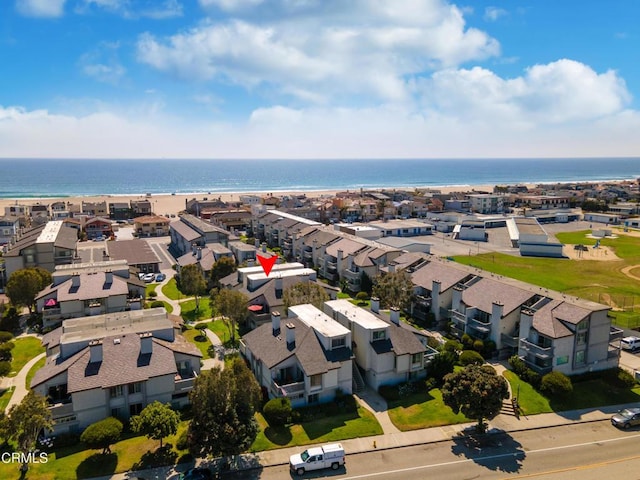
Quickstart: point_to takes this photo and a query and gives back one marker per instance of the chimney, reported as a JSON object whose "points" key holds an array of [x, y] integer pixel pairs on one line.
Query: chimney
{"points": [[436, 286], [257, 243], [108, 278], [394, 313], [75, 280], [497, 309], [291, 336], [275, 323], [392, 268], [95, 351], [278, 287], [193, 249], [264, 247], [146, 343], [199, 253], [375, 304]]}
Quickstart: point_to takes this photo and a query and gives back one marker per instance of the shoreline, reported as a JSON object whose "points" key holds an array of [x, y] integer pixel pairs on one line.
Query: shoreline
{"points": [[173, 203]]}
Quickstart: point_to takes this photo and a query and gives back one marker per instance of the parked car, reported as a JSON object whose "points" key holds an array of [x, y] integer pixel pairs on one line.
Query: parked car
{"points": [[331, 455], [629, 417], [99, 238], [630, 343], [149, 277], [160, 277], [198, 473], [141, 276]]}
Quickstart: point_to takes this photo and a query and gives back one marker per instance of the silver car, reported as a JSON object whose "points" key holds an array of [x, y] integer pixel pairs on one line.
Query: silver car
{"points": [[629, 417]]}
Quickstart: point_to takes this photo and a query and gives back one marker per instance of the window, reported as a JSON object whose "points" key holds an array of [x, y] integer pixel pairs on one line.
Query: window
{"points": [[338, 342], [379, 335], [579, 357], [584, 324], [416, 358], [581, 338], [562, 360], [135, 388], [115, 392], [315, 381], [135, 409], [117, 413], [313, 398]]}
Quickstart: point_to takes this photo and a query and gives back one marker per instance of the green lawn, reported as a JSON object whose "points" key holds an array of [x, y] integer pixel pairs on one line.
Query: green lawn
{"points": [[37, 366], [134, 452], [599, 281], [170, 289], [220, 329], [422, 410], [150, 287], [341, 426], [188, 310], [530, 400], [199, 340], [26, 348], [5, 397]]}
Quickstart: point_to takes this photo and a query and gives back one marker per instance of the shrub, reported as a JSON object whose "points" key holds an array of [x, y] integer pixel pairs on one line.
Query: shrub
{"points": [[478, 345], [442, 365], [102, 434], [620, 378], [156, 304], [5, 337], [489, 348], [452, 346], [277, 411], [467, 340], [556, 384], [152, 294], [431, 383], [531, 377], [5, 368], [182, 442], [471, 357], [201, 326], [5, 351], [362, 297], [517, 365]]}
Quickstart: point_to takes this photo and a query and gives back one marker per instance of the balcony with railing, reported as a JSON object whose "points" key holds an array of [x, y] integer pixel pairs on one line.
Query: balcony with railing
{"points": [[509, 340], [537, 365], [615, 333], [533, 349], [182, 384], [482, 329], [292, 390], [352, 275], [61, 409]]}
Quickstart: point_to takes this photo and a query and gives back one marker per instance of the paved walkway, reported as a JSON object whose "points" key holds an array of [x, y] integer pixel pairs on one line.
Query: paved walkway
{"points": [[19, 382], [209, 363]]}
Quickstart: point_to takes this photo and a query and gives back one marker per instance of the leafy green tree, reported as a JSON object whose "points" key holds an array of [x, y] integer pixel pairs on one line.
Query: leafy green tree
{"points": [[5, 368], [27, 419], [556, 384], [222, 268], [5, 351], [442, 365], [192, 282], [224, 404], [476, 391], [304, 292], [394, 290], [24, 284], [10, 320], [102, 434], [366, 285], [232, 305], [157, 420]]}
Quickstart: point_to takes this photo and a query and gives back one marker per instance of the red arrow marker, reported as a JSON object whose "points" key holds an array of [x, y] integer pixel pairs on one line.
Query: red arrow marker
{"points": [[267, 263]]}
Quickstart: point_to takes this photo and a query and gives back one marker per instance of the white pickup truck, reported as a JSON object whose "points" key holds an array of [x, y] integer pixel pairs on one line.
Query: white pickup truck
{"points": [[316, 458]]}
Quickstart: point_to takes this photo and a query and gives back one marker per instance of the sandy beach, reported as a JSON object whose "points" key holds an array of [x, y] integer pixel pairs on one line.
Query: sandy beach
{"points": [[173, 204]]}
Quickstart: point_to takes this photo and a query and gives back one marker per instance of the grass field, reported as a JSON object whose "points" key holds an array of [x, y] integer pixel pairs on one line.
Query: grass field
{"points": [[26, 348], [598, 281], [5, 397], [188, 310], [170, 289], [199, 340], [37, 366], [422, 410]]}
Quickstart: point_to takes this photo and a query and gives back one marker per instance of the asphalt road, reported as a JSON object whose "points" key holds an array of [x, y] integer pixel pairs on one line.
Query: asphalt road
{"points": [[587, 451]]}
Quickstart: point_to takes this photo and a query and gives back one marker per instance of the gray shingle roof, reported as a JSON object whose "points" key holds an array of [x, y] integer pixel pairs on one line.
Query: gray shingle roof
{"points": [[92, 285], [446, 274], [483, 293], [135, 252], [184, 230]]}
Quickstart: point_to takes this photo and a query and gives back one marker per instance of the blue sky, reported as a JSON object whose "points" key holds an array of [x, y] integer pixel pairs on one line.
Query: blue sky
{"points": [[319, 78]]}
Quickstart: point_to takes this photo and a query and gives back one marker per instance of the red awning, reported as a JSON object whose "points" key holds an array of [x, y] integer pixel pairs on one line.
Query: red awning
{"points": [[50, 303], [255, 308]]}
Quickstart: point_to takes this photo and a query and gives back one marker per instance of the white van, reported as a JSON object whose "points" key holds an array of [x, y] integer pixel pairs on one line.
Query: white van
{"points": [[630, 343], [317, 457]]}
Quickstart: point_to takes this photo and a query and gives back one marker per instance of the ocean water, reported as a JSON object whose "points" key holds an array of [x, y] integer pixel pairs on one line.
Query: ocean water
{"points": [[20, 178]]}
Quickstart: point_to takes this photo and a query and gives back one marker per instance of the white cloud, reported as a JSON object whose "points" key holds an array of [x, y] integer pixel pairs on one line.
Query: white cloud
{"points": [[134, 8], [40, 8], [102, 63], [338, 48], [492, 14]]}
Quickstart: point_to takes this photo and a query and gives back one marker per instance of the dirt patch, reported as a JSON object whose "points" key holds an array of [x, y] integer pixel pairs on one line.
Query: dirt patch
{"points": [[600, 254], [628, 271]]}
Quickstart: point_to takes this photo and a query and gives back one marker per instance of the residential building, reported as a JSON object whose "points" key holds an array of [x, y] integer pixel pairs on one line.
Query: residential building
{"points": [[205, 257], [95, 209], [151, 226], [137, 253], [39, 213], [403, 228], [387, 351], [9, 227], [98, 227], [141, 208], [120, 211], [43, 246], [114, 365], [190, 230], [243, 252], [486, 203], [307, 358], [89, 289]]}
